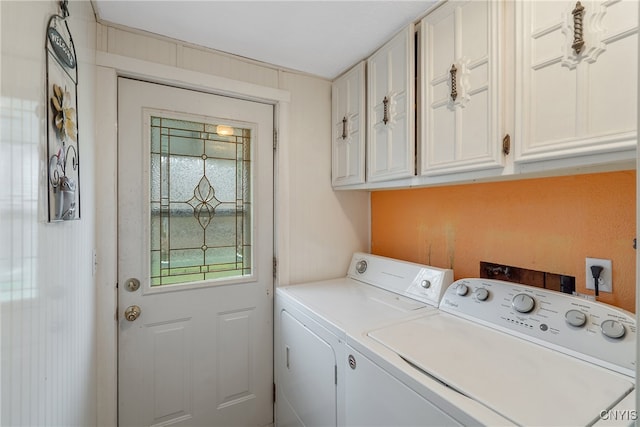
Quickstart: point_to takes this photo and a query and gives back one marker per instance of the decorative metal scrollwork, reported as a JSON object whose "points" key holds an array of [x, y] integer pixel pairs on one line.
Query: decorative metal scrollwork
{"points": [[58, 165], [454, 92], [385, 103], [62, 119], [64, 188], [578, 41], [344, 127]]}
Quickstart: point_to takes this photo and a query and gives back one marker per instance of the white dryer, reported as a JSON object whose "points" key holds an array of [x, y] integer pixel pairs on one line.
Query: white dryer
{"points": [[313, 323], [499, 353]]}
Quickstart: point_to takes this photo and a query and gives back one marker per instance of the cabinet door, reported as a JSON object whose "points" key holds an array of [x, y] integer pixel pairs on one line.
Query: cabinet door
{"points": [[567, 103], [391, 95], [348, 146], [461, 87]]}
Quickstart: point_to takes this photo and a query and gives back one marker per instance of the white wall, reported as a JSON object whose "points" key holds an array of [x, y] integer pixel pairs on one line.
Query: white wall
{"points": [[47, 292], [326, 226]]}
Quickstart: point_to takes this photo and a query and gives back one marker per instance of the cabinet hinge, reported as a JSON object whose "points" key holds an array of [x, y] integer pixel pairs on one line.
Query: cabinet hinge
{"points": [[506, 144], [275, 139], [275, 267]]}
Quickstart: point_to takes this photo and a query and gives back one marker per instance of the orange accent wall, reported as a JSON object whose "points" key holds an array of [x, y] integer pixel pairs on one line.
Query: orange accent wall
{"points": [[546, 224]]}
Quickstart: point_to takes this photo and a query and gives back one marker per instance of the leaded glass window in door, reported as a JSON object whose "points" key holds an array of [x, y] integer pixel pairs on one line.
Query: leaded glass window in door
{"points": [[200, 201]]}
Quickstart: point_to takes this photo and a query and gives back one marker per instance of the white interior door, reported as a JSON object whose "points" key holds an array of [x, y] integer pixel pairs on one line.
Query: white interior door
{"points": [[195, 229]]}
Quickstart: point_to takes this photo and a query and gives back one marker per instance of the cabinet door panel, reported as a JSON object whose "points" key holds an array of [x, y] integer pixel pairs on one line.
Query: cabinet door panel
{"points": [[546, 14], [348, 138], [391, 148], [474, 34], [443, 47], [443, 147], [572, 104], [612, 83], [553, 116], [461, 94], [478, 110]]}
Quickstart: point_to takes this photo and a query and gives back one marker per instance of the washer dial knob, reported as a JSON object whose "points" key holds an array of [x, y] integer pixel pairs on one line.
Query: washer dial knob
{"points": [[482, 294], [425, 284], [612, 329], [575, 318], [361, 266], [523, 303], [462, 289]]}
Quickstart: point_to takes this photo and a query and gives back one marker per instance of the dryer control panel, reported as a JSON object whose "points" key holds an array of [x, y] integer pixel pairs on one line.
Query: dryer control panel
{"points": [[593, 331], [417, 281]]}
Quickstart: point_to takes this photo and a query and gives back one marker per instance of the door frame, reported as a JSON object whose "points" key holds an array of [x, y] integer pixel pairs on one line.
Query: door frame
{"points": [[108, 68]]}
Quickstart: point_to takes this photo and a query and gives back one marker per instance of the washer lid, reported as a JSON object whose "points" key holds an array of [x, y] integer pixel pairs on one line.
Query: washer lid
{"points": [[524, 382], [347, 305]]}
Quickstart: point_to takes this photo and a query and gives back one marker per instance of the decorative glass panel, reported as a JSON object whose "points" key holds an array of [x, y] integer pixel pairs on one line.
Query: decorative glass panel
{"points": [[200, 201]]}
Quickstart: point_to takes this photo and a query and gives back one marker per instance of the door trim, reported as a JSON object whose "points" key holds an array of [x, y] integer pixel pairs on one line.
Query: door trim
{"points": [[108, 68]]}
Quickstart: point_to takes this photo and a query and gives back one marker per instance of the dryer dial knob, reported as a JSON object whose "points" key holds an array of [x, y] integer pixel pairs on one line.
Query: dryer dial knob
{"points": [[462, 289], [612, 329], [523, 303], [575, 318], [482, 294], [425, 284]]}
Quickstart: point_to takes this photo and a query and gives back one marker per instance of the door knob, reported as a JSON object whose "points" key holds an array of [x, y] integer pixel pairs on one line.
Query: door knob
{"points": [[132, 313]]}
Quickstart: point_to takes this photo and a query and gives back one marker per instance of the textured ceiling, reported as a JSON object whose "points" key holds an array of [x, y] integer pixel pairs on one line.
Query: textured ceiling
{"points": [[323, 38]]}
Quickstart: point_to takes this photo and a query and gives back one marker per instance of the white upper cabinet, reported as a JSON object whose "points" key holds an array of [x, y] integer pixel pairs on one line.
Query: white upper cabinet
{"points": [[462, 88], [348, 111], [576, 79], [390, 109]]}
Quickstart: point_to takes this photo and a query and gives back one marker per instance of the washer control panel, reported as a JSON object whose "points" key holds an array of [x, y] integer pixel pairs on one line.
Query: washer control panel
{"points": [[593, 331], [417, 281]]}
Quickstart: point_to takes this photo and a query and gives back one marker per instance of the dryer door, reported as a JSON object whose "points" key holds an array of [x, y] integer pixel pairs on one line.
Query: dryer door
{"points": [[307, 383]]}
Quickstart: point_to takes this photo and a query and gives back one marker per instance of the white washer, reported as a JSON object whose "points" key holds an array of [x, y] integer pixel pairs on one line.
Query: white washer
{"points": [[504, 353], [313, 323]]}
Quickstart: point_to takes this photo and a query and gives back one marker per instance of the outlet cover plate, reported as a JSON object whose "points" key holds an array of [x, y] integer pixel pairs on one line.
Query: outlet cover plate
{"points": [[605, 282]]}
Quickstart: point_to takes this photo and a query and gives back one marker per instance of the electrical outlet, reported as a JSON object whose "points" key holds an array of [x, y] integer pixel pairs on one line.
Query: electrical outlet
{"points": [[605, 282]]}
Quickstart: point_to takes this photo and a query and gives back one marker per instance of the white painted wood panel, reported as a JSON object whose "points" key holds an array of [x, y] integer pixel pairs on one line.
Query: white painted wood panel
{"points": [[572, 104], [349, 128], [235, 370], [390, 109], [47, 293], [461, 54]]}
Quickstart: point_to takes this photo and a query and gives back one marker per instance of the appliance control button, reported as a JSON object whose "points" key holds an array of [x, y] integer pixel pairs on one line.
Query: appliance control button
{"points": [[612, 329], [361, 266], [523, 303], [462, 289], [575, 318], [425, 284], [482, 294]]}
